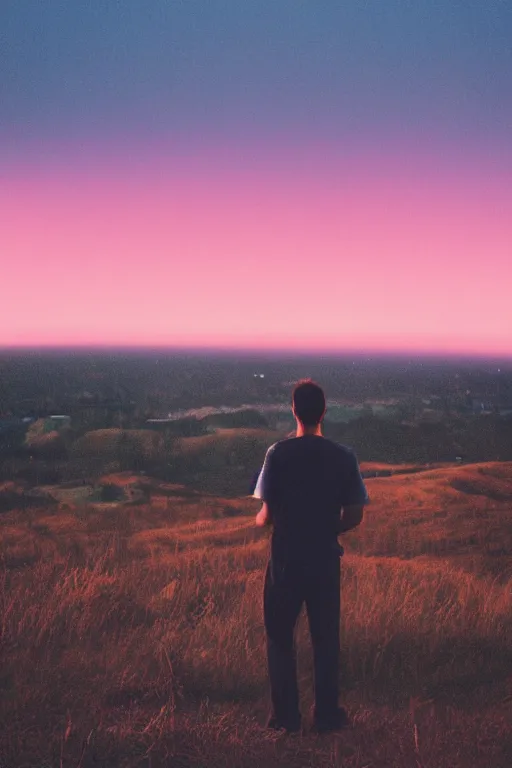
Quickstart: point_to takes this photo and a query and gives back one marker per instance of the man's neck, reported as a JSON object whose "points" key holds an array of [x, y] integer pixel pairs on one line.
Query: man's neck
{"points": [[302, 430]]}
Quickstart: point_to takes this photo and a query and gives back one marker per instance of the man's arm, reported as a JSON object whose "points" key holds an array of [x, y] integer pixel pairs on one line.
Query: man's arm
{"points": [[351, 517], [263, 517], [355, 497], [264, 489]]}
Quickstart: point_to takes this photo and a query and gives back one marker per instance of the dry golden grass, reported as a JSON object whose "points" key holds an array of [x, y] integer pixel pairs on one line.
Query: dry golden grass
{"points": [[132, 635]]}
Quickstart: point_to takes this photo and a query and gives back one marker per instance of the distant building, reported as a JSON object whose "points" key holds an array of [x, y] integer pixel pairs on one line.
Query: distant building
{"points": [[479, 405], [54, 423]]}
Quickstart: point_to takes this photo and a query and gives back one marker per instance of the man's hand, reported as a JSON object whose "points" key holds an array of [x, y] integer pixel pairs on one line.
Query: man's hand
{"points": [[351, 517], [263, 516]]}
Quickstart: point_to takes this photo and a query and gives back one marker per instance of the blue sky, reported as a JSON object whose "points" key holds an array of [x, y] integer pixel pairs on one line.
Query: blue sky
{"points": [[394, 67]]}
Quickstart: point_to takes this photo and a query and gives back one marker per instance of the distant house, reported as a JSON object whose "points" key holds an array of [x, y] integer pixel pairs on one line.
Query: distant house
{"points": [[479, 405], [54, 423]]}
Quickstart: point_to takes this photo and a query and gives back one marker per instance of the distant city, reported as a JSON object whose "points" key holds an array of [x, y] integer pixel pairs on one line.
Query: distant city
{"points": [[142, 389]]}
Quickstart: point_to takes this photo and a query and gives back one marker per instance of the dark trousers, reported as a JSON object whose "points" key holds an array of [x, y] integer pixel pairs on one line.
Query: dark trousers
{"points": [[287, 586]]}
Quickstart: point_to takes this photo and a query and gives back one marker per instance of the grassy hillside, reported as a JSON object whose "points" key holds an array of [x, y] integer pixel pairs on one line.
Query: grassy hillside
{"points": [[132, 632]]}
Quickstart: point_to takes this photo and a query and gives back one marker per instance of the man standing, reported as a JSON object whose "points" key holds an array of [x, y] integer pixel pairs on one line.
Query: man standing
{"points": [[312, 490]]}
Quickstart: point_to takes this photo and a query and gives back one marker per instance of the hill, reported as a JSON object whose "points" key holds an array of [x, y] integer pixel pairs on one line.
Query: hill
{"points": [[132, 630]]}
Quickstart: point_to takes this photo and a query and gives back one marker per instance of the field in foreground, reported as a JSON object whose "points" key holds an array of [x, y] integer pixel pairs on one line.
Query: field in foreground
{"points": [[131, 633]]}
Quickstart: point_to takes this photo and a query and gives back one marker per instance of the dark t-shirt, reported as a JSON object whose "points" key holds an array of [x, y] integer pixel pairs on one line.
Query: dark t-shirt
{"points": [[306, 481]]}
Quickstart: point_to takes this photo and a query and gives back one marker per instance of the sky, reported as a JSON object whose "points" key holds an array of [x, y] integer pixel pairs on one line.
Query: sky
{"points": [[258, 174]]}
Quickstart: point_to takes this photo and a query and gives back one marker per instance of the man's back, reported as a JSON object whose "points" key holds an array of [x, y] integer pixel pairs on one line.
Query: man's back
{"points": [[306, 481]]}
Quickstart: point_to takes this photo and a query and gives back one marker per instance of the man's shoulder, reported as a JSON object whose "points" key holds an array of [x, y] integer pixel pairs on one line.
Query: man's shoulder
{"points": [[279, 448], [340, 453], [274, 447], [345, 451]]}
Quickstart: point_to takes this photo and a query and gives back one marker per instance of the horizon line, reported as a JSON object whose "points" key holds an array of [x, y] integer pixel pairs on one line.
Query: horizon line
{"points": [[263, 350]]}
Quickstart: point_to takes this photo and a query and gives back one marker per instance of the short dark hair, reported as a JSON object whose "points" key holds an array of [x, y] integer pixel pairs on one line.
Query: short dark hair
{"points": [[308, 402]]}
